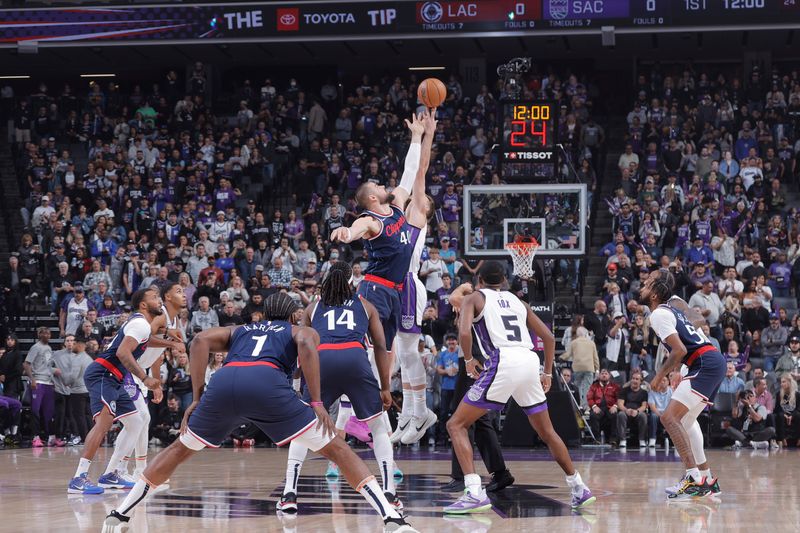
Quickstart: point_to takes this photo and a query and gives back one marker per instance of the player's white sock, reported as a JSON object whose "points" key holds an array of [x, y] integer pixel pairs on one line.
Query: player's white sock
{"points": [[297, 454], [142, 443], [706, 473], [384, 453], [408, 403], [83, 467], [694, 473], [138, 493], [371, 492], [420, 407], [473, 483], [126, 441], [575, 482]]}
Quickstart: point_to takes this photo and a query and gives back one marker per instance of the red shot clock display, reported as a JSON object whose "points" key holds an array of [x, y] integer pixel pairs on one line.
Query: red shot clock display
{"points": [[528, 147], [529, 131]]}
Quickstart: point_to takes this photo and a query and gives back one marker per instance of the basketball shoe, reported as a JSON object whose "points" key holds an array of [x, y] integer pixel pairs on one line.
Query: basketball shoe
{"points": [[287, 503], [82, 485], [469, 503]]}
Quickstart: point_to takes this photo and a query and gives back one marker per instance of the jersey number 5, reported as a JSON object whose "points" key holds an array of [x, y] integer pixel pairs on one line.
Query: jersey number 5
{"points": [[346, 319], [514, 333], [697, 332]]}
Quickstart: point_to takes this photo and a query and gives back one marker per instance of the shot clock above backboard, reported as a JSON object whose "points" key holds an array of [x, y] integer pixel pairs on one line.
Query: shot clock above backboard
{"points": [[529, 132]]}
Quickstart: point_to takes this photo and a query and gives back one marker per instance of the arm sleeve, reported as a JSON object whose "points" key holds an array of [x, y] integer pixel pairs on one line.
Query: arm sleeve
{"points": [[411, 167], [139, 329], [663, 323]]}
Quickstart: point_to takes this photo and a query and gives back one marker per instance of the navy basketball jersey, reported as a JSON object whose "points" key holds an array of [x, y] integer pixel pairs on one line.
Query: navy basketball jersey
{"points": [[625, 224], [390, 251], [666, 320], [340, 323], [137, 327], [268, 341]]}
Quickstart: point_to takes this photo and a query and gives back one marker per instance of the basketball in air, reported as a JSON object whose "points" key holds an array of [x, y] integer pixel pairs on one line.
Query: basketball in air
{"points": [[431, 92]]}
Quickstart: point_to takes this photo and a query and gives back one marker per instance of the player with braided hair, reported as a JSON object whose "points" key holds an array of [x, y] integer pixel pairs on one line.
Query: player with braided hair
{"points": [[253, 385], [343, 320], [687, 345]]}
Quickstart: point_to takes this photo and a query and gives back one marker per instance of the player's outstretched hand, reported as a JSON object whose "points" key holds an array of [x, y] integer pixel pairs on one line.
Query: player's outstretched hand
{"points": [[341, 234], [386, 399], [415, 126], [324, 421], [152, 383], [546, 382], [474, 368], [186, 415], [428, 122]]}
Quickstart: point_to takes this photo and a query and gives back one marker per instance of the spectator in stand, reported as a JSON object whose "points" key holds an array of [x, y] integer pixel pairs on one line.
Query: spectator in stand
{"points": [[582, 351], [632, 407], [215, 363], [750, 423], [204, 317], [731, 383], [657, 402], [787, 412], [602, 399], [773, 341], [39, 369], [447, 369], [789, 363], [763, 396], [167, 427], [180, 380]]}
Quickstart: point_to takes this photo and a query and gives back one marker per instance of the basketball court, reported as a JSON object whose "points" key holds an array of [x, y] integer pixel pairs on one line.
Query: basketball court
{"points": [[236, 490]]}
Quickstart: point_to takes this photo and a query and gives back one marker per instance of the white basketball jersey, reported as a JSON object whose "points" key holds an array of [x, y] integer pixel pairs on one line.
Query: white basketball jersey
{"points": [[151, 354], [502, 323], [419, 245]]}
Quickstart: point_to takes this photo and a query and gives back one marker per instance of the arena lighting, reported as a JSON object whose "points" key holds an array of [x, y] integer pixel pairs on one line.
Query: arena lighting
{"points": [[427, 68], [98, 75], [15, 77]]}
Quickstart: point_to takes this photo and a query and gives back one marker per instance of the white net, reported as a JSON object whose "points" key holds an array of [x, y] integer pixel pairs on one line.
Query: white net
{"points": [[522, 254]]}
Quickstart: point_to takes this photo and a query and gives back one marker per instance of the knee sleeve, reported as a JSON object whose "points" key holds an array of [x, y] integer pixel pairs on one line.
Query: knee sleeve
{"points": [[378, 426], [689, 423], [413, 371], [133, 423]]}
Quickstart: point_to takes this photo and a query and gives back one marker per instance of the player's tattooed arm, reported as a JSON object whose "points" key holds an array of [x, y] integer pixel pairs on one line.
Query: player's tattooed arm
{"points": [[125, 355], [673, 361], [364, 227]]}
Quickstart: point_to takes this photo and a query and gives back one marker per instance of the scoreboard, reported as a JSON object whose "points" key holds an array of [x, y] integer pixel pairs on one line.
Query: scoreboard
{"points": [[377, 19]]}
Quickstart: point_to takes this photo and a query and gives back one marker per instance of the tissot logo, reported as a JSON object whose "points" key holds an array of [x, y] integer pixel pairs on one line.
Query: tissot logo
{"points": [[288, 19], [329, 18]]}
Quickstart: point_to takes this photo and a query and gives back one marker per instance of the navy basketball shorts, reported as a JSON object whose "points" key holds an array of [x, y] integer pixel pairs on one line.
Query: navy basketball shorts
{"points": [[387, 302], [701, 383], [105, 390], [256, 392], [344, 369]]}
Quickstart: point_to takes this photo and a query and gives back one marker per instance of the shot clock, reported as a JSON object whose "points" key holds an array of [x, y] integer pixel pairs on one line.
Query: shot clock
{"points": [[528, 148]]}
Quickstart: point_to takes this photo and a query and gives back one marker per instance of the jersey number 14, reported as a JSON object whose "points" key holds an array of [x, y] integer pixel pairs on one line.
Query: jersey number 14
{"points": [[346, 319]]}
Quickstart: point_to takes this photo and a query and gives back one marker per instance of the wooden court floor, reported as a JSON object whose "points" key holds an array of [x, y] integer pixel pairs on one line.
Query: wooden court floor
{"points": [[236, 490]]}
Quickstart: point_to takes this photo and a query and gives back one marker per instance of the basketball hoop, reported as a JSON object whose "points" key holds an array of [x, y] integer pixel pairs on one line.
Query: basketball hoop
{"points": [[522, 251]]}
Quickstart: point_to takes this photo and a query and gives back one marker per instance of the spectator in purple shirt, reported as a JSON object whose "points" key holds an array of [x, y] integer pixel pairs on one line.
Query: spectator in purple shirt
{"points": [[225, 195], [780, 276], [444, 309], [450, 206]]}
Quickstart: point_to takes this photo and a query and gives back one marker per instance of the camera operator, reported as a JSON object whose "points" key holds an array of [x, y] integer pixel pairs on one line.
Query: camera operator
{"points": [[750, 423]]}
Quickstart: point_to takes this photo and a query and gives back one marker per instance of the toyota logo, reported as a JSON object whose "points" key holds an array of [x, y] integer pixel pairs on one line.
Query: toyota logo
{"points": [[431, 12], [287, 19]]}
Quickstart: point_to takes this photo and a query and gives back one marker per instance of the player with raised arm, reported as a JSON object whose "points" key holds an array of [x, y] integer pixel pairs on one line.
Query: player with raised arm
{"points": [[415, 418], [502, 325], [253, 386], [687, 345], [164, 326], [107, 395], [342, 321]]}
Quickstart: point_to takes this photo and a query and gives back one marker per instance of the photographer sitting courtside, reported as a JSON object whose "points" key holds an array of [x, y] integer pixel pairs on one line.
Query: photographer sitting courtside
{"points": [[750, 423]]}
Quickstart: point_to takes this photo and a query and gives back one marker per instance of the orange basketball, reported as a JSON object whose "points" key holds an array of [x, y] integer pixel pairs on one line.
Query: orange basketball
{"points": [[431, 92]]}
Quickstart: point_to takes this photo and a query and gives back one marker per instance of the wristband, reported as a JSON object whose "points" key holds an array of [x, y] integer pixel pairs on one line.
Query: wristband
{"points": [[317, 404], [468, 360], [547, 375]]}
